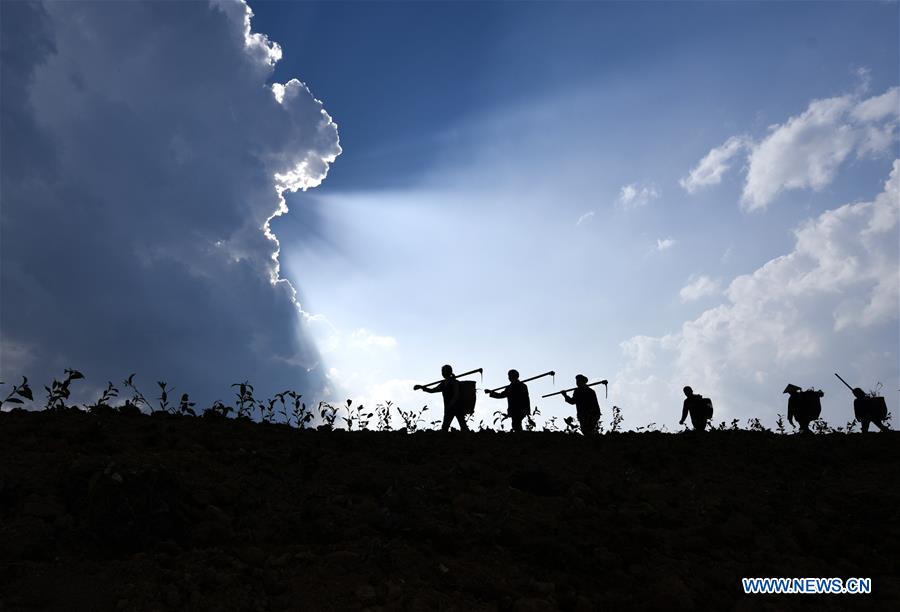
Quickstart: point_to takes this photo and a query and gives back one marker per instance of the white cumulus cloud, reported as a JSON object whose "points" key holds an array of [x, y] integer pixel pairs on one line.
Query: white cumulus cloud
{"points": [[710, 169], [698, 287], [831, 303], [807, 150], [636, 195]]}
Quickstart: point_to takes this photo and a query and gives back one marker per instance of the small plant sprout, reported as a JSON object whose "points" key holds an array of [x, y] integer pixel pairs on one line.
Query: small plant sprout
{"points": [[571, 425], [108, 394], [245, 401], [499, 417], [851, 425], [186, 406], [58, 392], [754, 424], [137, 398], [411, 419], [820, 426], [164, 397], [779, 424], [383, 414], [301, 415], [328, 414], [617, 420], [18, 392], [357, 415], [550, 425], [218, 409]]}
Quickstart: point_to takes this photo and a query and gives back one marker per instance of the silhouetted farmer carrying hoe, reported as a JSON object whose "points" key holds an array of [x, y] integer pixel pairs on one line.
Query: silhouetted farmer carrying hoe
{"points": [[699, 407], [518, 404], [805, 406], [587, 408], [867, 408], [449, 387]]}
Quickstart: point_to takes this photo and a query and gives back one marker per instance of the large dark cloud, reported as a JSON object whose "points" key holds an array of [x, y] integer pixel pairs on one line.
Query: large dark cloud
{"points": [[142, 154]]}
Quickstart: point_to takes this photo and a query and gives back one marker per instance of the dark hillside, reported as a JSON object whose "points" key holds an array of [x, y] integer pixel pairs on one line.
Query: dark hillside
{"points": [[155, 513]]}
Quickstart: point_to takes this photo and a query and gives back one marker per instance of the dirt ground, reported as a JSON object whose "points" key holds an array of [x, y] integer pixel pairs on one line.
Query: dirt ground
{"points": [[115, 512]]}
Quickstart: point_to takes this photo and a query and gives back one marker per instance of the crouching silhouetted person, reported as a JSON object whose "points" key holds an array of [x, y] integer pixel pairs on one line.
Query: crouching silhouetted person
{"points": [[699, 407], [587, 408], [869, 409], [449, 388], [518, 404], [804, 406]]}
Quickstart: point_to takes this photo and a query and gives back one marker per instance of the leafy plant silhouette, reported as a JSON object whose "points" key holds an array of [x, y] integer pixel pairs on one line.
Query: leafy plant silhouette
{"points": [[18, 392], [356, 415], [245, 400], [383, 416], [137, 398], [186, 406], [779, 424], [411, 418], [617, 420], [58, 392], [328, 414], [164, 397]]}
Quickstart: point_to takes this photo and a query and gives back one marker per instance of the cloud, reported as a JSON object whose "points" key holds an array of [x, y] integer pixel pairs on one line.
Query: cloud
{"points": [[635, 195], [151, 153], [585, 217], [806, 151], [363, 338], [830, 303], [710, 169], [664, 244], [698, 287]]}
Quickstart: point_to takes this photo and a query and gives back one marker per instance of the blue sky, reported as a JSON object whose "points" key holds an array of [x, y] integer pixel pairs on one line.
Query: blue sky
{"points": [[475, 136], [653, 193]]}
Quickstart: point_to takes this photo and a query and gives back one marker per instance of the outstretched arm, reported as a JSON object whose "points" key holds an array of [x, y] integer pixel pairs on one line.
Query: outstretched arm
{"points": [[497, 394], [569, 400], [434, 389]]}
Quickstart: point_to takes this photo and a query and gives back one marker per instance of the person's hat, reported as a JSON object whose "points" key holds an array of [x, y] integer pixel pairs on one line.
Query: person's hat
{"points": [[791, 389]]}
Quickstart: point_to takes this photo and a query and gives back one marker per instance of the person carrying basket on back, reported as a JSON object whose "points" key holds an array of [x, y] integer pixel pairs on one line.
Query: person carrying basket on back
{"points": [[449, 388]]}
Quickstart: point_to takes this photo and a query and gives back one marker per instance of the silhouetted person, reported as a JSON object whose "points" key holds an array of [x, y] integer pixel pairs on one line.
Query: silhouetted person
{"points": [[587, 408], [699, 407], [868, 409], [518, 404], [449, 387], [803, 406]]}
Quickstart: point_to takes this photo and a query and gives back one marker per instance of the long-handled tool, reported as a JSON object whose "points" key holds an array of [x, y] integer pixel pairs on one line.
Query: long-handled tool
{"points": [[844, 381], [605, 384], [479, 370], [550, 373]]}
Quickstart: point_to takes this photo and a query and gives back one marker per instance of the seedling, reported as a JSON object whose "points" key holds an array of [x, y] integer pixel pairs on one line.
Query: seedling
{"points": [[411, 419], [58, 392], [138, 398], [383, 413], [245, 400], [357, 416], [164, 397], [186, 406], [571, 425], [617, 420], [779, 424], [18, 392], [328, 414], [755, 425]]}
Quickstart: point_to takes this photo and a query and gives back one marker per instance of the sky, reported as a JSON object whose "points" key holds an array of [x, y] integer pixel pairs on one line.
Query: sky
{"points": [[659, 194]]}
